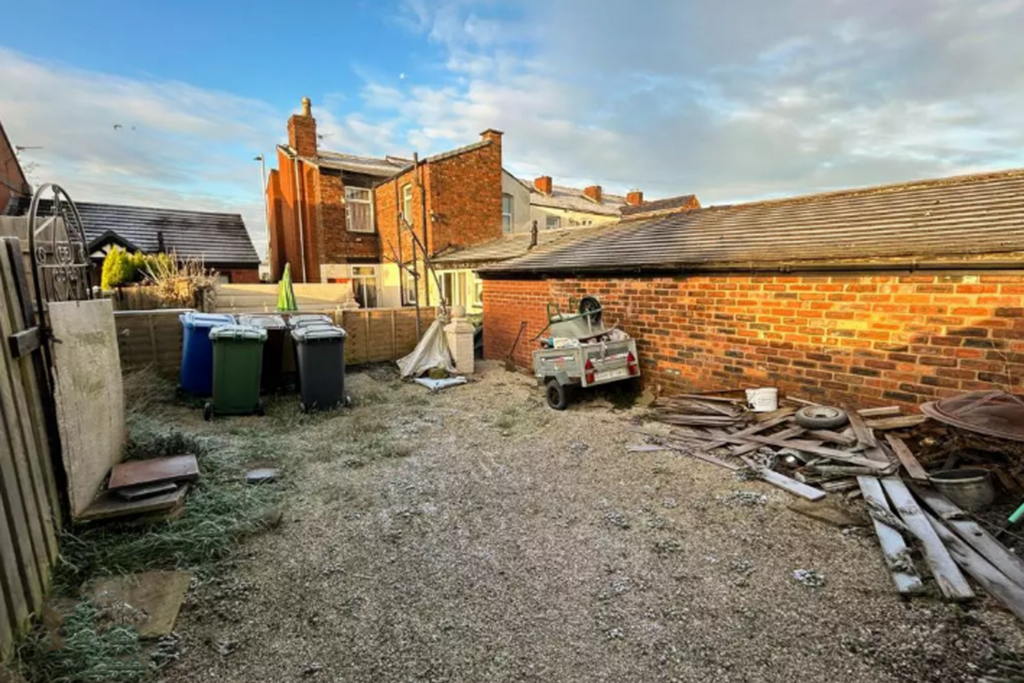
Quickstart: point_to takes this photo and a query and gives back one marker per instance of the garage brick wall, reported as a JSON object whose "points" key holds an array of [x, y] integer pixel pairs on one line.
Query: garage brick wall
{"points": [[869, 339]]}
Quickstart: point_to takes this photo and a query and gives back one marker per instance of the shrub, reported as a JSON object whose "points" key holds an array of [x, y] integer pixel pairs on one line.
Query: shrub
{"points": [[119, 268]]}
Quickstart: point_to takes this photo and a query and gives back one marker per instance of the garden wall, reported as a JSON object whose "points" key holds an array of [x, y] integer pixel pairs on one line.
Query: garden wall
{"points": [[869, 339]]}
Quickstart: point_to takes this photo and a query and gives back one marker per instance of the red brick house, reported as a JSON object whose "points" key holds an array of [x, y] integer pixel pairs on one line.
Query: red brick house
{"points": [[894, 294], [343, 218], [13, 183]]}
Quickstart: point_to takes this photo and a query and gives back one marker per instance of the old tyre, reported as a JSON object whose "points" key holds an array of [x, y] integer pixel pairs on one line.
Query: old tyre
{"points": [[821, 417], [558, 395]]}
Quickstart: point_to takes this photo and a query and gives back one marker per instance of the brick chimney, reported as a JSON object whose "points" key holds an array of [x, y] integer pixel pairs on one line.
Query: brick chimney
{"points": [[302, 131], [543, 184], [492, 135], [634, 197], [593, 192]]}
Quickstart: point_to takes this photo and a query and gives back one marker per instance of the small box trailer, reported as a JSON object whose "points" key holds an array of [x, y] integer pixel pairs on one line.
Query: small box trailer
{"points": [[562, 370]]}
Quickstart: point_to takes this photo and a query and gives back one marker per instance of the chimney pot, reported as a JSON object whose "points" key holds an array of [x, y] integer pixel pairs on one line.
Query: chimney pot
{"points": [[634, 197], [307, 107], [593, 192], [543, 184]]}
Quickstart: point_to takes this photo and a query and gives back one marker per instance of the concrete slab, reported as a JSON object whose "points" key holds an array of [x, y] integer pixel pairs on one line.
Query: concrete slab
{"points": [[152, 598], [89, 395]]}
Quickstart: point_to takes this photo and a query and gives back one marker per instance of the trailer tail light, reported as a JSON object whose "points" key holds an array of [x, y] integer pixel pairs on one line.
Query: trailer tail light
{"points": [[588, 369], [634, 367]]}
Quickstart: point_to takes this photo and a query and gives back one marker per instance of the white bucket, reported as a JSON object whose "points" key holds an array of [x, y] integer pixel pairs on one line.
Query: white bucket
{"points": [[763, 400]]}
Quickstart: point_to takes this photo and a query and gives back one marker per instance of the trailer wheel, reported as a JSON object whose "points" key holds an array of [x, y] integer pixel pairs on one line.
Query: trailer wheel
{"points": [[558, 395]]}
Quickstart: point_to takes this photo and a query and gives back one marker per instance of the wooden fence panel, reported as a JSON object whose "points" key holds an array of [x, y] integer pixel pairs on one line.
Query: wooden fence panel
{"points": [[153, 338], [29, 507]]}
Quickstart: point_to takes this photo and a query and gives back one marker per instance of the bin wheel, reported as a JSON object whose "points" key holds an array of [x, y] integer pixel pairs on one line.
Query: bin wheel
{"points": [[347, 401], [261, 409], [558, 395], [303, 408], [208, 411]]}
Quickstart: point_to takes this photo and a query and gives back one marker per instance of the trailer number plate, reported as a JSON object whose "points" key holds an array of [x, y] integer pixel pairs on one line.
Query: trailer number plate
{"points": [[611, 374]]}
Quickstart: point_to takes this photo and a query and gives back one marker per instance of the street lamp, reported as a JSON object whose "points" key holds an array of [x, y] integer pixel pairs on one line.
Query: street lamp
{"points": [[266, 208]]}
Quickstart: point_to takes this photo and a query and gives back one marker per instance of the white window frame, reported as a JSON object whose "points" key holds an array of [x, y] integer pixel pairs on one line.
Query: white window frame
{"points": [[366, 280], [407, 204], [352, 200], [408, 285], [507, 217], [548, 220]]}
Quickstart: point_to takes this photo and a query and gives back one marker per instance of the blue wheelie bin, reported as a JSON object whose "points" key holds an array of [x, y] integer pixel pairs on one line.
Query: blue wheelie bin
{"points": [[197, 351]]}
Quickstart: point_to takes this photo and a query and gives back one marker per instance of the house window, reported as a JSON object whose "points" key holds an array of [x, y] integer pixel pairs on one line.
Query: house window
{"points": [[407, 204], [408, 288], [552, 222], [364, 285], [506, 212], [359, 209], [453, 287], [478, 292]]}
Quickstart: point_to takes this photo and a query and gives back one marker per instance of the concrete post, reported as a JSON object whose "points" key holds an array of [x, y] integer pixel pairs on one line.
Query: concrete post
{"points": [[459, 335]]}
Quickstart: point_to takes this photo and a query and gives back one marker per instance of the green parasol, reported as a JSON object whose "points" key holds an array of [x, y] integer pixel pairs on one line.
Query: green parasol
{"points": [[285, 292]]}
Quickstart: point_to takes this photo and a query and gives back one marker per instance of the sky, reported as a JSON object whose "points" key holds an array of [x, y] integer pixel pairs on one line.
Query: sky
{"points": [[167, 104]]}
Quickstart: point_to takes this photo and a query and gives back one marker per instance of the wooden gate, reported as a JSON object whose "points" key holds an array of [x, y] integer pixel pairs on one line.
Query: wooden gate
{"points": [[30, 509]]}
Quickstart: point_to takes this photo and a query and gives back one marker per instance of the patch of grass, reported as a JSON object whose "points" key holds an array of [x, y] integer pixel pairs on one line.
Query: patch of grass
{"points": [[220, 509], [87, 652]]}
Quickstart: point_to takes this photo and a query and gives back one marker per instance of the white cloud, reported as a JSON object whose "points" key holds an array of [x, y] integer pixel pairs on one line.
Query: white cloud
{"points": [[175, 145], [731, 100]]}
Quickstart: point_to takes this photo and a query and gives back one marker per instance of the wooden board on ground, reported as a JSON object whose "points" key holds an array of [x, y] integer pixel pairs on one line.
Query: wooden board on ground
{"points": [[951, 581], [109, 505], [825, 511], [814, 448], [754, 429], [970, 531], [783, 482], [832, 437], [991, 579], [906, 458], [894, 547], [167, 469]]}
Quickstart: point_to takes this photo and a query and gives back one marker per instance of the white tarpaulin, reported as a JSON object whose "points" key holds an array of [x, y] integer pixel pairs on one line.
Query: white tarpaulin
{"points": [[431, 352]]}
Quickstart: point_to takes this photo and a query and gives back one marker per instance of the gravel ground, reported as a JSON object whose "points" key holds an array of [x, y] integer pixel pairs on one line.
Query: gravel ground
{"points": [[476, 535]]}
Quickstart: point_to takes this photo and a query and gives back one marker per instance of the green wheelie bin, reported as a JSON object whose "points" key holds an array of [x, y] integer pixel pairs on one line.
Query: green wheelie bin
{"points": [[237, 365]]}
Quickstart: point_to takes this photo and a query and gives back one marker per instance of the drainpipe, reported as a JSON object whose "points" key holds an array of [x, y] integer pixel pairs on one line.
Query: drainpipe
{"points": [[298, 210], [423, 217]]}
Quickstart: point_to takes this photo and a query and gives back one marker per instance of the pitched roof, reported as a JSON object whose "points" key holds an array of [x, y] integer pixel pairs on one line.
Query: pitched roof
{"points": [[382, 167], [512, 246], [960, 219], [572, 199], [662, 205], [216, 238]]}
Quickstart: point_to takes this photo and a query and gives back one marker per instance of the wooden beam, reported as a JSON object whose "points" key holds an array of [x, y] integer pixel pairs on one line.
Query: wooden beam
{"points": [[25, 342], [784, 434], [901, 422], [906, 458], [804, 446], [951, 581], [880, 412], [894, 548], [973, 534], [991, 579], [865, 437]]}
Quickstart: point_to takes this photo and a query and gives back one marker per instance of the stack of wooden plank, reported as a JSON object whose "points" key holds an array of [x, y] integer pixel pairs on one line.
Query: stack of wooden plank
{"points": [[916, 525], [138, 488], [713, 428]]}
